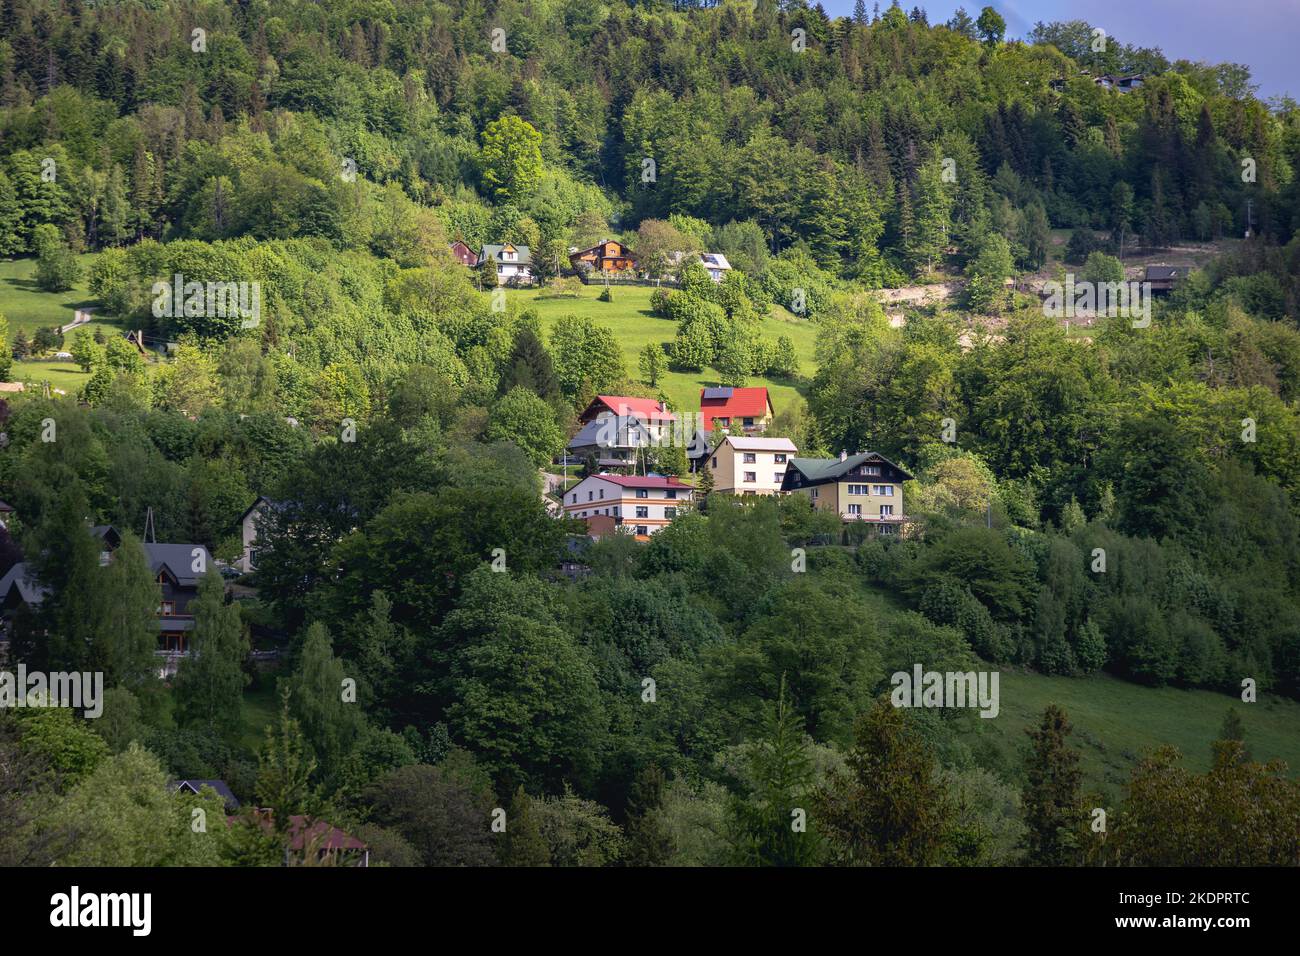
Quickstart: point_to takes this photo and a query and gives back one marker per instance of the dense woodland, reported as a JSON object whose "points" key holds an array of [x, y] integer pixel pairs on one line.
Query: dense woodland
{"points": [[331, 151]]}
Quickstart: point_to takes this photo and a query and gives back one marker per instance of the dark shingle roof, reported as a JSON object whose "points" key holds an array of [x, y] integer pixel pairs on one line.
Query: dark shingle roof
{"points": [[179, 560], [826, 469]]}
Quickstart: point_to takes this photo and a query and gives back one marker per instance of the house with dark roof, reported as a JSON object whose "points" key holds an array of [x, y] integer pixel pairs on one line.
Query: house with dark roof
{"points": [[1163, 279], [736, 409], [865, 487], [644, 503], [195, 786], [514, 264]]}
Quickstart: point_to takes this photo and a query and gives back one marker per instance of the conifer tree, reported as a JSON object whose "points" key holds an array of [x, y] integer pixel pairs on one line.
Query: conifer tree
{"points": [[210, 683], [1052, 804], [522, 844]]}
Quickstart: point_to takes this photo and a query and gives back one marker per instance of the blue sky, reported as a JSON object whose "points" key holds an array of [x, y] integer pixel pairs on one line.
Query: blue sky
{"points": [[1263, 34]]}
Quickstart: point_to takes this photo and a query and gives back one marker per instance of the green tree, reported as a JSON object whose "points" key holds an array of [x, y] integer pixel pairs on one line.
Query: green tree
{"points": [[1054, 810], [651, 363], [523, 418], [211, 680], [284, 768], [992, 28], [511, 159], [888, 807], [522, 844], [326, 707]]}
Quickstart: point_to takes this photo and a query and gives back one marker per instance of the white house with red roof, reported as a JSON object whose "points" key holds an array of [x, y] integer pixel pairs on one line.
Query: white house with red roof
{"points": [[736, 409], [644, 503]]}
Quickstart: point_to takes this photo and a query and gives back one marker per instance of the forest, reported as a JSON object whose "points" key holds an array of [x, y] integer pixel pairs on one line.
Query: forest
{"points": [[1117, 505]]}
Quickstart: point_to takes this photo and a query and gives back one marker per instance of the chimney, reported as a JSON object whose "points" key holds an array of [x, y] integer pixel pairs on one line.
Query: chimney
{"points": [[843, 454]]}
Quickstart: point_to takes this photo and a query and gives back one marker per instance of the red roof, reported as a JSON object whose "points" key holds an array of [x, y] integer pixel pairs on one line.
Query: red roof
{"points": [[643, 481], [742, 403], [645, 408]]}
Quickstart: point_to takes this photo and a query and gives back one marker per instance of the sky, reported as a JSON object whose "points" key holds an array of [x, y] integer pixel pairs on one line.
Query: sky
{"points": [[1262, 34]]}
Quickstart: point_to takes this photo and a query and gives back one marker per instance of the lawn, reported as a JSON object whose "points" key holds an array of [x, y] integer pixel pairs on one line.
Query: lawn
{"points": [[28, 307], [634, 326], [1116, 722], [261, 707]]}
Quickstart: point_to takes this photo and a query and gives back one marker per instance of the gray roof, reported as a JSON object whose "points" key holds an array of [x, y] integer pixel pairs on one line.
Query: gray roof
{"points": [[818, 470], [611, 431], [179, 560], [194, 786], [493, 251], [30, 590], [1167, 272]]}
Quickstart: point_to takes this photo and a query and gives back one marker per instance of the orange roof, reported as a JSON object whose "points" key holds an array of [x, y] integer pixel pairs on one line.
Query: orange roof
{"points": [[645, 408]]}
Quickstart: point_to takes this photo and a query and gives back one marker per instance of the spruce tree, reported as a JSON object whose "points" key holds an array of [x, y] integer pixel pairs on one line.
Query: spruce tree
{"points": [[522, 844], [1053, 808], [648, 841]]}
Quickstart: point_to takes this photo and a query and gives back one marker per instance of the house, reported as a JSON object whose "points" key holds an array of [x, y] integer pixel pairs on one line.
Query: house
{"points": [[750, 465], [1123, 84], [1162, 279], [176, 567], [609, 255], [645, 503], [862, 487], [249, 523], [6, 509], [464, 254], [715, 264], [747, 409], [615, 427], [514, 264], [313, 842], [194, 786]]}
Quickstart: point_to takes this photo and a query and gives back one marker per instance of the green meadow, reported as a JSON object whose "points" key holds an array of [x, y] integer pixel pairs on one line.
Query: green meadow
{"points": [[634, 326]]}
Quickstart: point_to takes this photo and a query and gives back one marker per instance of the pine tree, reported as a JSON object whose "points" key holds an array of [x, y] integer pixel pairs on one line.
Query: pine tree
{"points": [[648, 841], [1233, 729], [1053, 807], [210, 682], [889, 808], [530, 365], [523, 844], [284, 768], [770, 827], [126, 619]]}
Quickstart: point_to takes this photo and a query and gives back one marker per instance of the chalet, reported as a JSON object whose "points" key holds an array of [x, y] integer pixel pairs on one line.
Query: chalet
{"points": [[464, 254], [176, 567], [863, 487], [1162, 279], [1122, 84], [615, 427], [514, 264], [195, 786], [715, 264], [645, 503], [736, 409], [750, 466], [607, 256]]}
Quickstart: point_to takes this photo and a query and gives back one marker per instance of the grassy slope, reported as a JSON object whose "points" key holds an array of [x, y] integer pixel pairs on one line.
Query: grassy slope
{"points": [[1117, 722], [633, 325], [27, 307]]}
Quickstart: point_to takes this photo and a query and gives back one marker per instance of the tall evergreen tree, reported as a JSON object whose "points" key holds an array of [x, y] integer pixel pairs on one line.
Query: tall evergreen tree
{"points": [[523, 844], [210, 683], [1053, 807]]}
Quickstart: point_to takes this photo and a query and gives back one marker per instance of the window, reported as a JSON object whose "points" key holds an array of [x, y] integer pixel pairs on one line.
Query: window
{"points": [[670, 494], [778, 476], [715, 461], [724, 422], [642, 529], [642, 493], [670, 513], [602, 492], [590, 495], [751, 476], [886, 529], [814, 494], [749, 423], [749, 458], [884, 491], [886, 511], [168, 608], [642, 511], [616, 511], [855, 509], [751, 493], [871, 469], [780, 458], [573, 499], [857, 489]]}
